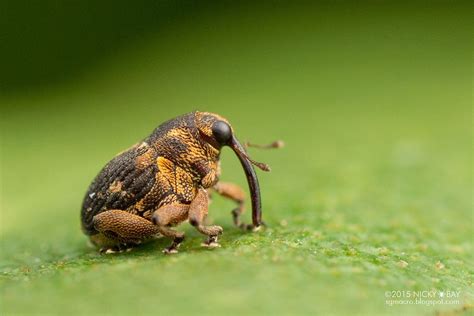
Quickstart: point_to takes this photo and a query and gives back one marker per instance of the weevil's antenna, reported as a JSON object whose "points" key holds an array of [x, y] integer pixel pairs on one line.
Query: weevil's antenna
{"points": [[262, 166], [275, 144]]}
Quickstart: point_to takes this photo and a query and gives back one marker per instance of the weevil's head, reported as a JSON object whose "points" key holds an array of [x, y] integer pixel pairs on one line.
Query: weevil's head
{"points": [[217, 131]]}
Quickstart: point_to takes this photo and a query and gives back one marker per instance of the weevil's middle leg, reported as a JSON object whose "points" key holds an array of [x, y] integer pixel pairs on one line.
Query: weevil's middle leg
{"points": [[197, 213], [170, 215]]}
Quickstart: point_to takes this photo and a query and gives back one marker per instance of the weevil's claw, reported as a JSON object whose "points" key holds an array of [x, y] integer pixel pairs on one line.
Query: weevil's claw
{"points": [[170, 251], [256, 228], [173, 248], [107, 251], [116, 249], [251, 227], [236, 212], [211, 245], [211, 242]]}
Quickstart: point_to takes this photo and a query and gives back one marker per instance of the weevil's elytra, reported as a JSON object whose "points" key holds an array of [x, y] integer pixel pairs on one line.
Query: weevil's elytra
{"points": [[164, 180]]}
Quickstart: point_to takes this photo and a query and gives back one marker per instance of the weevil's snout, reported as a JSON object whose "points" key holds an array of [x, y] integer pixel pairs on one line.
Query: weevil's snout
{"points": [[252, 180]]}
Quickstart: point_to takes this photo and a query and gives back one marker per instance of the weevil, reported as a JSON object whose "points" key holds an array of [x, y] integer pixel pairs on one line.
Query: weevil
{"points": [[166, 179]]}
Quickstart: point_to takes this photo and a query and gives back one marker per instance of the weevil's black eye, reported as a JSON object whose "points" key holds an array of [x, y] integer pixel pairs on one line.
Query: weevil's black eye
{"points": [[221, 132]]}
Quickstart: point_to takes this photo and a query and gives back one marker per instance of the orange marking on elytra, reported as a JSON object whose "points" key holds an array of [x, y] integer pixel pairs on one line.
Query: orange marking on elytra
{"points": [[116, 186], [145, 159]]}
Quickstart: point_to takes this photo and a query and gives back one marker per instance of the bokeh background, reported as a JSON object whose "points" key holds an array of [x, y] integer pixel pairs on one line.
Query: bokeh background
{"points": [[372, 193]]}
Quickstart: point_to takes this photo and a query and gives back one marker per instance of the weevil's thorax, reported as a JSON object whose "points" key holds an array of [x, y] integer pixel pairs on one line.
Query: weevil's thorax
{"points": [[180, 141]]}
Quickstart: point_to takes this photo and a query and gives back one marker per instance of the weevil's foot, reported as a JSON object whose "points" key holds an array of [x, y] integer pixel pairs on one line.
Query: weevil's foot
{"points": [[117, 249], [109, 251], [174, 246], [170, 250], [211, 245], [251, 227], [236, 219], [246, 227], [211, 242]]}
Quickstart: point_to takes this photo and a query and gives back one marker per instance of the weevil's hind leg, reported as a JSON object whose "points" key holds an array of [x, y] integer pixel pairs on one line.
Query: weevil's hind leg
{"points": [[119, 230], [197, 214], [170, 215], [236, 194]]}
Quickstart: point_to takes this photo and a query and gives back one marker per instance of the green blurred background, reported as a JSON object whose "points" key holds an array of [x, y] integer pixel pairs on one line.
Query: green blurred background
{"points": [[372, 193]]}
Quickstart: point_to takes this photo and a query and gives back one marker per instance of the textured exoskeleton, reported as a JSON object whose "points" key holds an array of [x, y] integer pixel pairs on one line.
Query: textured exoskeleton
{"points": [[165, 180]]}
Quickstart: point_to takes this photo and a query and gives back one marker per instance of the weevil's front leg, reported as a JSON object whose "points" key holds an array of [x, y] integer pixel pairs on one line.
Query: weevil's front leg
{"points": [[170, 215], [236, 194], [117, 228], [197, 213]]}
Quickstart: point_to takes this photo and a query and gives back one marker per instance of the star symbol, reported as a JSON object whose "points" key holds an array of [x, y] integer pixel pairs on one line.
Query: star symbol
{"points": [[441, 294]]}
